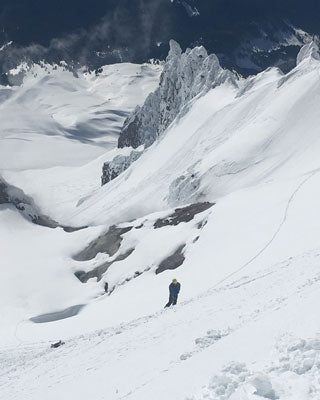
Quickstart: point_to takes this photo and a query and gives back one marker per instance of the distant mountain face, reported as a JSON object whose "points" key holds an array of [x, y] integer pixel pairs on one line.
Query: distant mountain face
{"points": [[247, 35]]}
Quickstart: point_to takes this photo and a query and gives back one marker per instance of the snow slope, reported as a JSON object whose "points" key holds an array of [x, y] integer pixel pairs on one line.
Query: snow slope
{"points": [[55, 118], [247, 323]]}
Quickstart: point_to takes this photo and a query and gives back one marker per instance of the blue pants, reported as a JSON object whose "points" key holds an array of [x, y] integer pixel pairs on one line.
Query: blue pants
{"points": [[172, 300]]}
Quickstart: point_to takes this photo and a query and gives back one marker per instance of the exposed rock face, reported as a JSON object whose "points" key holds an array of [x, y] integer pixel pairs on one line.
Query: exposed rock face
{"points": [[120, 163], [185, 76], [109, 243], [172, 262], [183, 214], [101, 269]]}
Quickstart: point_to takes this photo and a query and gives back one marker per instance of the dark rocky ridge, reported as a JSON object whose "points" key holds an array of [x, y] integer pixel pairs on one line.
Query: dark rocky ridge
{"points": [[101, 269], [183, 214], [174, 261], [108, 243], [184, 76]]}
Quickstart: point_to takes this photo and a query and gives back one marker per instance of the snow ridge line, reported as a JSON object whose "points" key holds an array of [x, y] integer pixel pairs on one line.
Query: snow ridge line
{"points": [[284, 219]]}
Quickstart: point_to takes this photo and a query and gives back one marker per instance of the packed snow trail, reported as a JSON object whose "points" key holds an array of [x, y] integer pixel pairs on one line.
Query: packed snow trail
{"points": [[285, 216], [133, 360]]}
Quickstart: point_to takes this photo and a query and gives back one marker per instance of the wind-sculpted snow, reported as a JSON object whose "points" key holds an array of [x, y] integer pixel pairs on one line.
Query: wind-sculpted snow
{"points": [[185, 76]]}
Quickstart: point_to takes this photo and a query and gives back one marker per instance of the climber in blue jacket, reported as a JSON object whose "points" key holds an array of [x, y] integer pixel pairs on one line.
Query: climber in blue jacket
{"points": [[174, 289]]}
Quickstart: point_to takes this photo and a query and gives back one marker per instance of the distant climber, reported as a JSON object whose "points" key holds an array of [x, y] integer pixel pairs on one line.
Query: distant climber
{"points": [[174, 289]]}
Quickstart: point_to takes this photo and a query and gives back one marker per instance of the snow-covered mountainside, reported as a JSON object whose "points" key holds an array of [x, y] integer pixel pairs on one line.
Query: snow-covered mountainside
{"points": [[184, 77], [55, 118], [224, 198]]}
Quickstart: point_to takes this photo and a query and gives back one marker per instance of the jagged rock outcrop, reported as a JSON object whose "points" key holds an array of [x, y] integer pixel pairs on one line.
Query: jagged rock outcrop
{"points": [[173, 261], [182, 214], [109, 243], [120, 163], [185, 76]]}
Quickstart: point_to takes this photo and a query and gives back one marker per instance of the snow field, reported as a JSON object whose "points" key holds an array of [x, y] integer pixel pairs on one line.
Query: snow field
{"points": [[233, 337], [247, 323]]}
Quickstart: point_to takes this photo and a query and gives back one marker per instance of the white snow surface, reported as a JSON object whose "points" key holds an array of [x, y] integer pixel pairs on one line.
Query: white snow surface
{"points": [[55, 118], [247, 323]]}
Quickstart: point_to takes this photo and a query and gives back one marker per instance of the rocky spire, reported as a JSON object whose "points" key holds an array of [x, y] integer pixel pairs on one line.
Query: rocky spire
{"points": [[185, 76]]}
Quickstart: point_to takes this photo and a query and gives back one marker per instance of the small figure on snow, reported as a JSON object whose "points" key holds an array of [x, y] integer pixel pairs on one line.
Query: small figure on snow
{"points": [[174, 289], [57, 344]]}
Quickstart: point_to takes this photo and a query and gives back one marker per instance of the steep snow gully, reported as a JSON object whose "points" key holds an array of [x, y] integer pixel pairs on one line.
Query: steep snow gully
{"points": [[208, 178]]}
